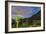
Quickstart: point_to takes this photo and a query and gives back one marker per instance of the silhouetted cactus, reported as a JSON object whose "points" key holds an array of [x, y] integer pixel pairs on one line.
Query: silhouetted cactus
{"points": [[17, 18]]}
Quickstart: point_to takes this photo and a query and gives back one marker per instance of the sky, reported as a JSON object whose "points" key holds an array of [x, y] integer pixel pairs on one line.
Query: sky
{"points": [[24, 11]]}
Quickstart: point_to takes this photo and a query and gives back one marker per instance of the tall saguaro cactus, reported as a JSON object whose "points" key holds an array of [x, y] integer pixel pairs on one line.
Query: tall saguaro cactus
{"points": [[17, 18]]}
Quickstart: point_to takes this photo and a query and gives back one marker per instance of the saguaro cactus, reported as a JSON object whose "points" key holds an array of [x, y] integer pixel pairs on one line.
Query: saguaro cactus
{"points": [[17, 18]]}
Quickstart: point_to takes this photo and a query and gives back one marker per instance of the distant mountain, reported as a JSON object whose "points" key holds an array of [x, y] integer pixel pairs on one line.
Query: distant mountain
{"points": [[36, 16]]}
